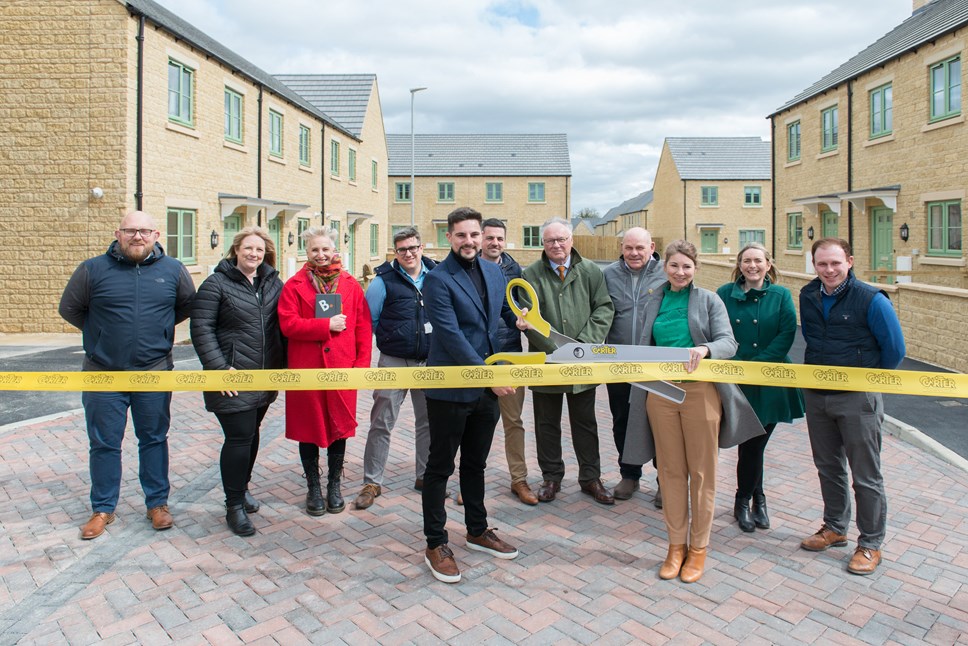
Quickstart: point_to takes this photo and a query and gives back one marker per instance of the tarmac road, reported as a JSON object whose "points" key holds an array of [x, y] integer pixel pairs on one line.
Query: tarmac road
{"points": [[940, 418]]}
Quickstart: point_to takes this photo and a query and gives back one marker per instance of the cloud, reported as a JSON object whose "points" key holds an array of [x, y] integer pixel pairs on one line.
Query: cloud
{"points": [[616, 77]]}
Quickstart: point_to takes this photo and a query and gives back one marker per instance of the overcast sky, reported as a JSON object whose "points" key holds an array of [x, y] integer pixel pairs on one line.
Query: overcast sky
{"points": [[616, 76]]}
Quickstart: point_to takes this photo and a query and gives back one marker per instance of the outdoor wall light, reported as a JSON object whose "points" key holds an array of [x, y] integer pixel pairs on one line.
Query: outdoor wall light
{"points": [[346, 238], [97, 192], [810, 233], [905, 232], [213, 239], [292, 238]]}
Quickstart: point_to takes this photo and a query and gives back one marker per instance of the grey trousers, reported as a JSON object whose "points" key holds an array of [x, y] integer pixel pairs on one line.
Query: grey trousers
{"points": [[383, 416], [845, 429]]}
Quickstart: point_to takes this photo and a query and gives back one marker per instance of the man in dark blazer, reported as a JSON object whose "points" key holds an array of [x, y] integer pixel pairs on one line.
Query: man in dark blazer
{"points": [[464, 298]]}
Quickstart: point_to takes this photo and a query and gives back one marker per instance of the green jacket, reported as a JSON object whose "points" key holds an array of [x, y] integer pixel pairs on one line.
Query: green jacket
{"points": [[764, 322], [579, 307]]}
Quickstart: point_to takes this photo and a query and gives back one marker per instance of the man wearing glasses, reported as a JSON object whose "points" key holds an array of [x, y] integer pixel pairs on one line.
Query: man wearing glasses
{"points": [[127, 303], [402, 332], [574, 298]]}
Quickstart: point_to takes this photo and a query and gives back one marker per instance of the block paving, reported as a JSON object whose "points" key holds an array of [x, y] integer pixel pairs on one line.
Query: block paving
{"points": [[586, 574]]}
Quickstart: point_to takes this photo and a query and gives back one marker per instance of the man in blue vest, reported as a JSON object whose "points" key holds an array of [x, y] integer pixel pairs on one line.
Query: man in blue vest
{"points": [[127, 302], [402, 332], [846, 322]]}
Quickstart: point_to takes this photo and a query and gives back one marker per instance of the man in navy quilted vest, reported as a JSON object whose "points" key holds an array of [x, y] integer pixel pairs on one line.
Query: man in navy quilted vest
{"points": [[847, 322]]}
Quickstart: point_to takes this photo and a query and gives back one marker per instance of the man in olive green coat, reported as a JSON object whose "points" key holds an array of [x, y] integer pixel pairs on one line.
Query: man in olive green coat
{"points": [[573, 297]]}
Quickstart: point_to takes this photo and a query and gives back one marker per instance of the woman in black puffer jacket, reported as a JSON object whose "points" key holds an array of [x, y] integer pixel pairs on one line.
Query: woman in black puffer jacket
{"points": [[234, 326]]}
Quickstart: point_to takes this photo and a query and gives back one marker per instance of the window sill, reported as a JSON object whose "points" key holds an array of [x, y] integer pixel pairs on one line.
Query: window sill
{"points": [[183, 130], [234, 146], [829, 153], [795, 162], [709, 206], [944, 123], [335, 178], [306, 169], [942, 261], [536, 202], [192, 266], [883, 139], [793, 252], [277, 160], [752, 206]]}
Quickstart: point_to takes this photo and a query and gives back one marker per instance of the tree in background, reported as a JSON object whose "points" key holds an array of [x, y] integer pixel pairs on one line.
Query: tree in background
{"points": [[585, 213]]}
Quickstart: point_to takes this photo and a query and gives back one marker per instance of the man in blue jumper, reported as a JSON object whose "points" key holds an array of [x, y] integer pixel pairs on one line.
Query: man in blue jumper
{"points": [[847, 322], [127, 303]]}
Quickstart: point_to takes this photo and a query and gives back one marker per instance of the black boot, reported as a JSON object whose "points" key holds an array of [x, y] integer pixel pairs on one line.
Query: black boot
{"points": [[760, 517], [315, 505], [238, 521], [251, 504], [741, 510], [334, 498]]}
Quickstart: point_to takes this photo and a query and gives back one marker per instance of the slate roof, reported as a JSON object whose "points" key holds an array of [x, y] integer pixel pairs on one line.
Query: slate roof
{"points": [[631, 205], [927, 23], [202, 41], [720, 158], [480, 155], [344, 97]]}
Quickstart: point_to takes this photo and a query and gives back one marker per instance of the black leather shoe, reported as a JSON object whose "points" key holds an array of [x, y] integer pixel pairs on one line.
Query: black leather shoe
{"points": [[238, 521], [251, 505], [548, 490], [741, 512]]}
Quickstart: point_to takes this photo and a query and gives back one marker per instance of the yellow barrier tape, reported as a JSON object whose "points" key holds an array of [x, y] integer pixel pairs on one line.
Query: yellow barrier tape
{"points": [[901, 382]]}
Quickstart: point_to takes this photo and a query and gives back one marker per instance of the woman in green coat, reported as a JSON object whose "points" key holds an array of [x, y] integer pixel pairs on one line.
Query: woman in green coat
{"points": [[764, 322]]}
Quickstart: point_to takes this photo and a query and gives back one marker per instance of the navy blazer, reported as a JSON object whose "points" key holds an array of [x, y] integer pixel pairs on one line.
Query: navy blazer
{"points": [[463, 333]]}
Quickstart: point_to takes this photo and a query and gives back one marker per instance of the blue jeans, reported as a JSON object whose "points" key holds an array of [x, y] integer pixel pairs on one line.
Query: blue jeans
{"points": [[107, 415]]}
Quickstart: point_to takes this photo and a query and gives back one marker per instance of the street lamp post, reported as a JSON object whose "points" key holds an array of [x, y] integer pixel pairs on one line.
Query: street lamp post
{"points": [[413, 156]]}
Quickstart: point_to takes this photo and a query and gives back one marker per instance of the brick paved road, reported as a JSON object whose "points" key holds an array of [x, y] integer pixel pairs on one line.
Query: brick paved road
{"points": [[586, 574]]}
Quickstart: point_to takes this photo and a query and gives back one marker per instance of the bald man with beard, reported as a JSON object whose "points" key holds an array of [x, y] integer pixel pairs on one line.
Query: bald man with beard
{"points": [[127, 302]]}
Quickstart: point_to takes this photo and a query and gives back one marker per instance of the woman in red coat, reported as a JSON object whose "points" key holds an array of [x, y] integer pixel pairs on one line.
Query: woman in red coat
{"points": [[323, 418]]}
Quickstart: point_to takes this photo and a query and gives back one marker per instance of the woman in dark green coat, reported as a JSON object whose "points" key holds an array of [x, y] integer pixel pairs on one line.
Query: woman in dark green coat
{"points": [[764, 323]]}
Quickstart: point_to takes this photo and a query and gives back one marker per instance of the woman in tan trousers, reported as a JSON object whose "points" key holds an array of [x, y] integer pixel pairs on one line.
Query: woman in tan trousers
{"points": [[686, 437]]}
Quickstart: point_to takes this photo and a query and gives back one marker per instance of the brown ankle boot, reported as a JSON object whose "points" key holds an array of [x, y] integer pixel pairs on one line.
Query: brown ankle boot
{"points": [[693, 567], [673, 563]]}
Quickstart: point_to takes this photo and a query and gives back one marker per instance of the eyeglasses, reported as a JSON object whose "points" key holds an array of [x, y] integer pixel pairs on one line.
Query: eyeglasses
{"points": [[403, 251], [130, 233], [550, 242]]}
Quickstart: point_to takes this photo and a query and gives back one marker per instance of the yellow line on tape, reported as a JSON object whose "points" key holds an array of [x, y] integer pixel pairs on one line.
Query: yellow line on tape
{"points": [[901, 382]]}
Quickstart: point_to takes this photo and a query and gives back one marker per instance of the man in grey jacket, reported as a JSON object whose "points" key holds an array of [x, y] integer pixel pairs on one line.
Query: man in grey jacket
{"points": [[630, 281]]}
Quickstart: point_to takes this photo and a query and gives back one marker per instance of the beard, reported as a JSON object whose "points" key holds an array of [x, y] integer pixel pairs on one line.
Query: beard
{"points": [[137, 254]]}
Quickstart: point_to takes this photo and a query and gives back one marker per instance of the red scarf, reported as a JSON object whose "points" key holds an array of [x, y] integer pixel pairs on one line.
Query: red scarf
{"points": [[325, 277]]}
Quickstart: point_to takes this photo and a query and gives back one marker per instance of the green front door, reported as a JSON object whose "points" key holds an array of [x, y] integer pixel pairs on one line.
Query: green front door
{"points": [[442, 241], [882, 242], [230, 226], [275, 231], [830, 224], [350, 254], [709, 240]]}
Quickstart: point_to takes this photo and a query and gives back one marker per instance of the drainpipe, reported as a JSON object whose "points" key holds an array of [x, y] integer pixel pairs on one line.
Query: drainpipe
{"points": [[139, 110], [322, 178], [684, 224], [850, 163], [773, 188], [258, 157]]}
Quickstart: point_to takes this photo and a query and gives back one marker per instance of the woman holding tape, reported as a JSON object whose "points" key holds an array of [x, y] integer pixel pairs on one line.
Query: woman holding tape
{"points": [[764, 322], [234, 326], [685, 437], [318, 339]]}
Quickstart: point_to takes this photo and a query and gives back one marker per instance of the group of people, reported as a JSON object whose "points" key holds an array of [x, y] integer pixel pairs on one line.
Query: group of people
{"points": [[454, 313]]}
